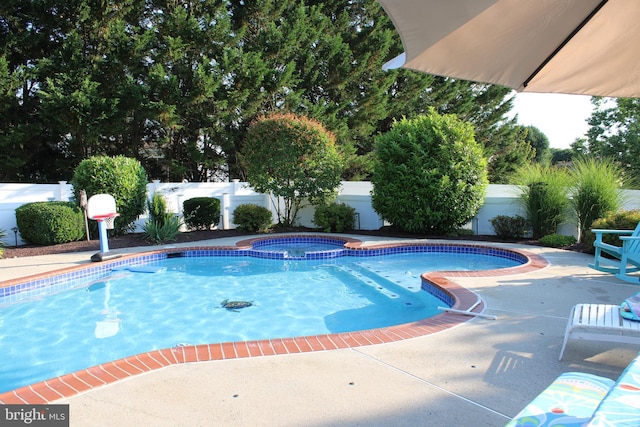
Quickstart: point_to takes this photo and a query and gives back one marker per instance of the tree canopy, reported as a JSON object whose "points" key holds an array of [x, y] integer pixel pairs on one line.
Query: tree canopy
{"points": [[294, 158], [176, 84], [614, 133], [539, 143]]}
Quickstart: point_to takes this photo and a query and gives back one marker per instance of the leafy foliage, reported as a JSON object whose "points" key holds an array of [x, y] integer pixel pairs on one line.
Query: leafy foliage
{"points": [[291, 157], [540, 145], [122, 177], [334, 217], [430, 175], [544, 195], [176, 84], [161, 226], [201, 213], [252, 218], [510, 227], [557, 240], [47, 223], [162, 229], [623, 220], [596, 190], [157, 207], [615, 132]]}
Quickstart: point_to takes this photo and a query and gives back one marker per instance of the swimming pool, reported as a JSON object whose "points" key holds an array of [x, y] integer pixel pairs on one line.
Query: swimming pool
{"points": [[365, 264]]}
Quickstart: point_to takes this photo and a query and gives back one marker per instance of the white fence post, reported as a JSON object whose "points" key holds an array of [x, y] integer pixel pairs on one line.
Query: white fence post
{"points": [[63, 194], [226, 202]]}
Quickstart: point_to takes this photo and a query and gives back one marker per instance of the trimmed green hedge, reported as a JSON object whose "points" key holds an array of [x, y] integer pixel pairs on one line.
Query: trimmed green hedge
{"points": [[47, 223], [334, 217], [252, 218], [430, 174]]}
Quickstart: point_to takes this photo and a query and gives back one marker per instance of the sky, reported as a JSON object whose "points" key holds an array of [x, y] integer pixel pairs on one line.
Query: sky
{"points": [[562, 118]]}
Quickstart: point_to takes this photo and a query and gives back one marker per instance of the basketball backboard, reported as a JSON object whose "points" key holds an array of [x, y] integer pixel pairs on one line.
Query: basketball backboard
{"points": [[101, 206]]}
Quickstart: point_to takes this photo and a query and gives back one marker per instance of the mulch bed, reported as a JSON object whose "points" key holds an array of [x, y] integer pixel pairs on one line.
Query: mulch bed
{"points": [[137, 239]]}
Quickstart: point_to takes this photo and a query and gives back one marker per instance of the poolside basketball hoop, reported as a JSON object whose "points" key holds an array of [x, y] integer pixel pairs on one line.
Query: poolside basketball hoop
{"points": [[110, 222], [102, 208]]}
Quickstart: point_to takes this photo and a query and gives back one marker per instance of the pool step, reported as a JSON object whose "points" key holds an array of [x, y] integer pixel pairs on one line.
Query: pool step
{"points": [[375, 281]]}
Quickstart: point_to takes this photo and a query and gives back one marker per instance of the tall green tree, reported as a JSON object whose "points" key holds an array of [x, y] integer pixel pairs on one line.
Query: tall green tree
{"points": [[508, 152], [191, 58], [29, 32], [614, 132], [293, 158], [175, 84], [317, 59], [89, 84], [484, 106], [540, 143]]}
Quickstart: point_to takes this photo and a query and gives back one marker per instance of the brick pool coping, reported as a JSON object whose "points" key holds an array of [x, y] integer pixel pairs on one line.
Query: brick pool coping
{"points": [[107, 373]]}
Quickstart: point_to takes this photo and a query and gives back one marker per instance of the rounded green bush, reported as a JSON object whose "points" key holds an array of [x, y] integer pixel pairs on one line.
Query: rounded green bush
{"points": [[334, 217], [252, 218], [201, 213], [122, 177], [48, 223], [430, 174]]}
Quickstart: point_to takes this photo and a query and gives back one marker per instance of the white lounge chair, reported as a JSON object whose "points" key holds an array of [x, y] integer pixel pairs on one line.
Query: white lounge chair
{"points": [[600, 322]]}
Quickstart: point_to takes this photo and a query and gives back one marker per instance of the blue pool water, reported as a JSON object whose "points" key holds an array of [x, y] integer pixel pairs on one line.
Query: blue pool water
{"points": [[177, 301]]}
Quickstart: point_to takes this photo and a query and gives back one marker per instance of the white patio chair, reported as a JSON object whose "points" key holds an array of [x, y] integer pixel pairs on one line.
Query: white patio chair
{"points": [[600, 322]]}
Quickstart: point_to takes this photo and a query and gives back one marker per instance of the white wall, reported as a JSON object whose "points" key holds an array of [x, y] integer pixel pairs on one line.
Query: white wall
{"points": [[499, 200]]}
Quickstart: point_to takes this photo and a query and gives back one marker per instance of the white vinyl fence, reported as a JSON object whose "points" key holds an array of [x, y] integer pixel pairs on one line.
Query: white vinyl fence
{"points": [[499, 200]]}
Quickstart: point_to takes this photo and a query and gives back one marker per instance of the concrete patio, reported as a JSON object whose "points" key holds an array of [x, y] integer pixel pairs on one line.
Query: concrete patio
{"points": [[480, 373]]}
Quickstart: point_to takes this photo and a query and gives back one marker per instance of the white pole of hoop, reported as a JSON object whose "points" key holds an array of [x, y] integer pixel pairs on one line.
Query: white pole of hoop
{"points": [[104, 241]]}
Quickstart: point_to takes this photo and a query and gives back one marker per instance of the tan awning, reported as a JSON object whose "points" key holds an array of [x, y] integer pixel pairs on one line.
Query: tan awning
{"points": [[589, 47]]}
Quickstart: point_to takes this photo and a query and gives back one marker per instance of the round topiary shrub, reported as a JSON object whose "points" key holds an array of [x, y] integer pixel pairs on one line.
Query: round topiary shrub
{"points": [[252, 218], [334, 217], [122, 177], [201, 213], [49, 223], [430, 174]]}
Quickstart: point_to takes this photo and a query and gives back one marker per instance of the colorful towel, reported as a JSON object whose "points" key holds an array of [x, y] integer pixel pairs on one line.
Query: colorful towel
{"points": [[630, 308]]}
